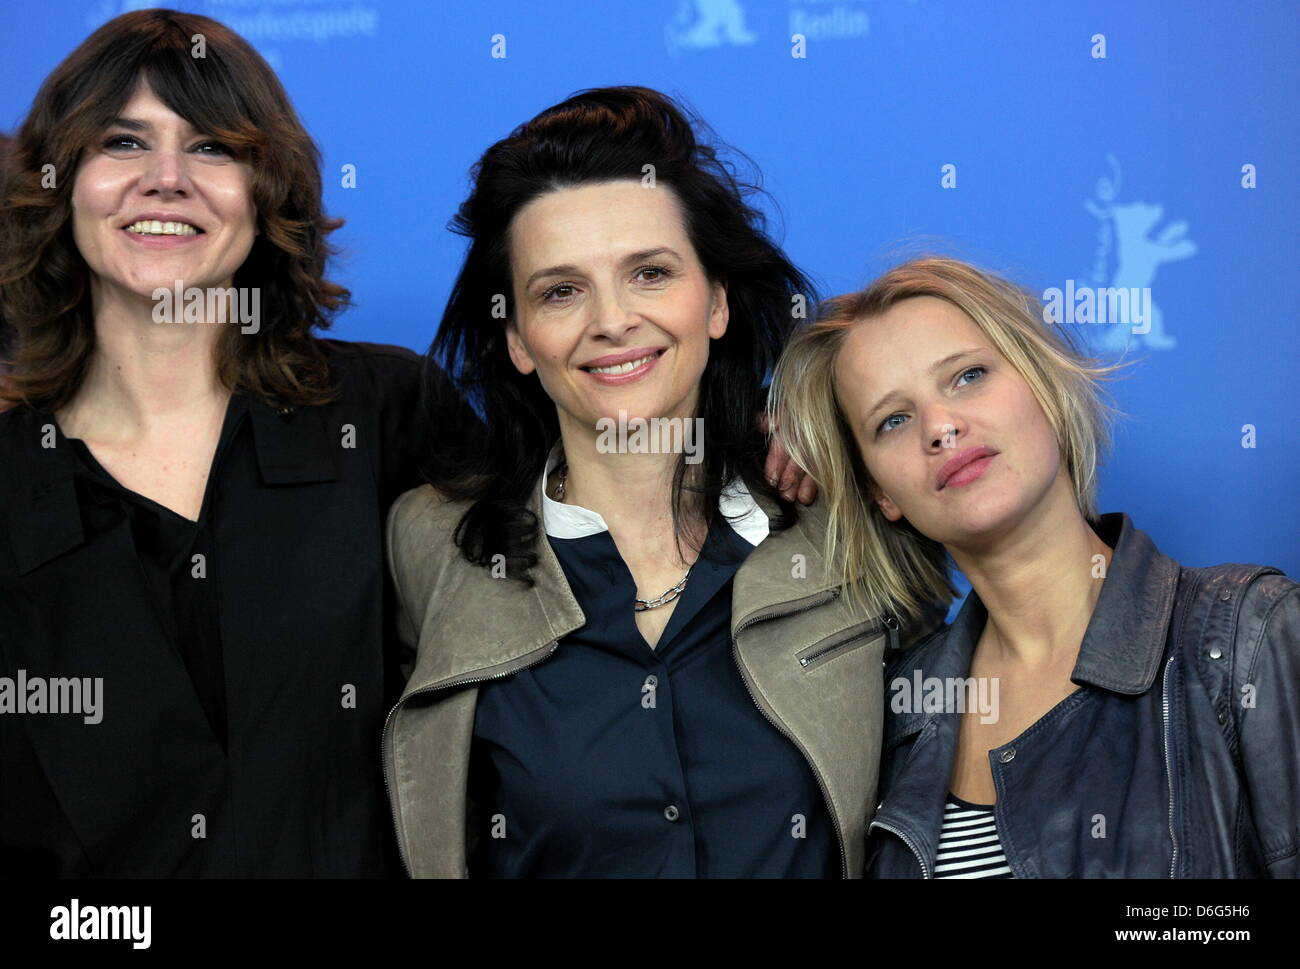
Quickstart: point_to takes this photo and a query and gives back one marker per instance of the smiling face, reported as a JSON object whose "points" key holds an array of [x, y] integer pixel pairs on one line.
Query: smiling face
{"points": [[613, 309], [950, 432], [155, 201]]}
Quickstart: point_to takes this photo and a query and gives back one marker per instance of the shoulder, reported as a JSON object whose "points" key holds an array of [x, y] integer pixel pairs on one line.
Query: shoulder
{"points": [[21, 433], [16, 420], [1270, 592], [813, 519], [1249, 612], [425, 510], [353, 353], [1268, 623], [380, 367], [802, 523], [421, 528], [1253, 595]]}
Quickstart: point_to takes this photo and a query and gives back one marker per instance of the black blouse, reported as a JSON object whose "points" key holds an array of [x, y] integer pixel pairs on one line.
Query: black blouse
{"points": [[173, 552], [243, 698]]}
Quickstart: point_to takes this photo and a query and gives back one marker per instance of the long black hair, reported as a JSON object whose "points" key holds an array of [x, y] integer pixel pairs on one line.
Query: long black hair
{"points": [[600, 135]]}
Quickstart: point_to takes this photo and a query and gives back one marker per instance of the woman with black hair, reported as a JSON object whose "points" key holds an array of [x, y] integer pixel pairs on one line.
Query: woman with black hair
{"points": [[631, 657]]}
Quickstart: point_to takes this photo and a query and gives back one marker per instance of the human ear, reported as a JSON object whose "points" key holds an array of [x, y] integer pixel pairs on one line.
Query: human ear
{"points": [[719, 311], [887, 507], [519, 355]]}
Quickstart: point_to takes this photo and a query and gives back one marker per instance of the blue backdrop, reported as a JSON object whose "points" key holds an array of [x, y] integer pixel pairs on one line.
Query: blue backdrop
{"points": [[1078, 146]]}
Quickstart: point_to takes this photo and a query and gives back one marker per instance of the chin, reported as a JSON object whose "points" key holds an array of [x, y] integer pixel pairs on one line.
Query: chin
{"points": [[982, 522], [633, 408]]}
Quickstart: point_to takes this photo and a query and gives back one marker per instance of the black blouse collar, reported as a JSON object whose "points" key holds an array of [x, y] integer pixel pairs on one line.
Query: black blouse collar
{"points": [[294, 445]]}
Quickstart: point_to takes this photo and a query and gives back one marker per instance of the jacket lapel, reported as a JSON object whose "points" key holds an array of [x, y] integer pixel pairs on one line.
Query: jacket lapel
{"points": [[499, 622], [1125, 640], [786, 602], [767, 581]]}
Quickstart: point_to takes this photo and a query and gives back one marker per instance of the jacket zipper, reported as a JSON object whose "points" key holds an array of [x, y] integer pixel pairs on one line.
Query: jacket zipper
{"points": [[1169, 770], [925, 872], [891, 624], [388, 790], [807, 661], [827, 596]]}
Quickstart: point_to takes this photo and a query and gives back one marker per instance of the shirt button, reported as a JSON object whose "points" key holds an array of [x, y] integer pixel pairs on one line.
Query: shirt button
{"points": [[1008, 755], [1215, 652], [671, 812], [1223, 718]]}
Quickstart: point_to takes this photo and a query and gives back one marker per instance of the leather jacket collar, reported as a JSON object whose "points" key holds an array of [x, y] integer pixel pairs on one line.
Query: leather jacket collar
{"points": [[1124, 642]]}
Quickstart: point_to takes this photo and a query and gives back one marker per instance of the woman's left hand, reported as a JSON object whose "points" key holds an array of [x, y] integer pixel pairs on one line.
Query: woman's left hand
{"points": [[786, 476]]}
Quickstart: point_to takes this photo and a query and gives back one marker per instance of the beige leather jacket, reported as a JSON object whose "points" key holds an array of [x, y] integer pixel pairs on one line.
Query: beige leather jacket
{"points": [[812, 667]]}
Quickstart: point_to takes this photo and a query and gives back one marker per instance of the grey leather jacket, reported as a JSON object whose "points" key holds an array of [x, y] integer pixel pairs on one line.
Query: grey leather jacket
{"points": [[1177, 757]]}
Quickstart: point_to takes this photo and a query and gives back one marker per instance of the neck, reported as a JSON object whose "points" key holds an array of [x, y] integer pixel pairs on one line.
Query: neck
{"points": [[631, 492], [143, 376], [1040, 582]]}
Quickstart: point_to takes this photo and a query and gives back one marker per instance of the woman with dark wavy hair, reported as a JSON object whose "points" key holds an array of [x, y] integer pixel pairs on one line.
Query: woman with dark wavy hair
{"points": [[631, 657], [192, 595]]}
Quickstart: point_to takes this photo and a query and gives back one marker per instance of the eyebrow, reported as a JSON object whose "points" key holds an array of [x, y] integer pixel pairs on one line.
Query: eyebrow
{"points": [[933, 368], [135, 124], [569, 269]]}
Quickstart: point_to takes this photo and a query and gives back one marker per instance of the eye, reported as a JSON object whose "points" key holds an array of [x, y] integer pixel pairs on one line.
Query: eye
{"points": [[979, 371], [218, 149], [546, 296], [123, 142], [885, 425], [663, 273]]}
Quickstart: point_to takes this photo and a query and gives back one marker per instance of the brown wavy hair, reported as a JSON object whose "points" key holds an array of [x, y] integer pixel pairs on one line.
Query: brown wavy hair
{"points": [[230, 94]]}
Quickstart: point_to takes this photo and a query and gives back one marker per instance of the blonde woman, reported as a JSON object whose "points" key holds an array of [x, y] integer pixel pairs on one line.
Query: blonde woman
{"points": [[1096, 709]]}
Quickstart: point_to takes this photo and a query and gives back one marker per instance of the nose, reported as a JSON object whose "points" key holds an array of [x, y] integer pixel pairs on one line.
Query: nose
{"points": [[166, 174], [944, 428], [612, 316]]}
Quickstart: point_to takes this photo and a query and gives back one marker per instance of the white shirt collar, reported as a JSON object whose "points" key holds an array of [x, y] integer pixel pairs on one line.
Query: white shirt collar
{"points": [[562, 520]]}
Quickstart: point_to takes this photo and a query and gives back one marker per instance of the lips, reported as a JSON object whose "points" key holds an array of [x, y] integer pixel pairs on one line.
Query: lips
{"points": [[162, 218], [960, 462], [634, 355], [627, 367]]}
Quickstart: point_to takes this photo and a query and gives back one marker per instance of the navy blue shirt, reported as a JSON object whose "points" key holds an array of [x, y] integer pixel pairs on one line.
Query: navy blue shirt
{"points": [[612, 759]]}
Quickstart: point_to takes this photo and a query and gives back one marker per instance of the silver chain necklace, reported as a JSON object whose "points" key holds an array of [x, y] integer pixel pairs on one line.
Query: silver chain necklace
{"points": [[641, 605]]}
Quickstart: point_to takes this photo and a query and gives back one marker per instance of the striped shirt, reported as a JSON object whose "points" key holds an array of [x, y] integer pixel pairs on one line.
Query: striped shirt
{"points": [[968, 842]]}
